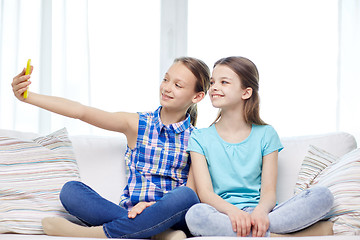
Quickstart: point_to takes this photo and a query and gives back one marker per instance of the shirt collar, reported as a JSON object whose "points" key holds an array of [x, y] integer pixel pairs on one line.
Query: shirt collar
{"points": [[176, 127]]}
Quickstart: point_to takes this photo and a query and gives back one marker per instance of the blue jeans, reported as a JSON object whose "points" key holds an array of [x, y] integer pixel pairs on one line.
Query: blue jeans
{"points": [[84, 203], [293, 215]]}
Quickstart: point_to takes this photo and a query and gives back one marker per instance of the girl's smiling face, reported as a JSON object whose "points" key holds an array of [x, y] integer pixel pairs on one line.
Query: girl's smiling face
{"points": [[225, 88], [177, 90]]}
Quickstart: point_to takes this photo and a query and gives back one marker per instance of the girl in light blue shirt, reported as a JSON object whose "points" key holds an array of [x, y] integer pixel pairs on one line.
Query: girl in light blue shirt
{"points": [[234, 165]]}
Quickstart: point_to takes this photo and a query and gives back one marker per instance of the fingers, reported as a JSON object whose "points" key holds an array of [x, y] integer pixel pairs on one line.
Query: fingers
{"points": [[21, 77], [246, 227], [234, 224], [20, 74], [241, 225], [20, 84], [139, 208], [259, 228], [134, 212], [258, 231], [255, 230]]}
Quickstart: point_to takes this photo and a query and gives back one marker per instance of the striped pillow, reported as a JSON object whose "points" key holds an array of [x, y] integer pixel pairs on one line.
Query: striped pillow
{"points": [[314, 162], [342, 177], [343, 180], [32, 173]]}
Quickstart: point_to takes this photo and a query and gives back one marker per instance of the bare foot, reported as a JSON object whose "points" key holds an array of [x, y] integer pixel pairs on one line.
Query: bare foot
{"points": [[170, 235], [57, 226], [321, 228]]}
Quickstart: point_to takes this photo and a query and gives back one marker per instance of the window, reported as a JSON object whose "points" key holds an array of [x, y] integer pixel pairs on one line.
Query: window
{"points": [[111, 56], [294, 46]]}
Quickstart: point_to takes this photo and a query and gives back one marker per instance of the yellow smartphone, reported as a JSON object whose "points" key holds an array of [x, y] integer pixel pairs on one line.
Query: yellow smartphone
{"points": [[27, 72]]}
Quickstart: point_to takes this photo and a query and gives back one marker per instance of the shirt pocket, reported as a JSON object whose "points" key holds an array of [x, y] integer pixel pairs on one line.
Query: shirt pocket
{"points": [[152, 160], [180, 162], [159, 161]]}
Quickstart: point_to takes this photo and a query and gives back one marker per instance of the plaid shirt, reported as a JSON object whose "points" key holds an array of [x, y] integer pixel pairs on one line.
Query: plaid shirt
{"points": [[159, 162]]}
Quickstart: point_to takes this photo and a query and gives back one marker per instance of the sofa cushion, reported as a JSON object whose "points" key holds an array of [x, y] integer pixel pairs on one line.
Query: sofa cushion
{"points": [[32, 173], [292, 156], [342, 177], [314, 162]]}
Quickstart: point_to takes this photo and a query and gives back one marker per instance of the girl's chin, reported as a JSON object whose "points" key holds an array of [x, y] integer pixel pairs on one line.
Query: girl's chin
{"points": [[165, 104], [215, 104]]}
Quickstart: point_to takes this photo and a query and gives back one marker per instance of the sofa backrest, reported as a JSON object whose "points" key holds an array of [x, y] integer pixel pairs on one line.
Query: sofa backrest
{"points": [[101, 163], [102, 166], [101, 160]]}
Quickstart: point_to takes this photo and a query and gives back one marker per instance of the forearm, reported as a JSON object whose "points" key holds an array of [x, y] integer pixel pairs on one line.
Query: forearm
{"points": [[216, 201], [57, 105], [267, 201], [123, 122]]}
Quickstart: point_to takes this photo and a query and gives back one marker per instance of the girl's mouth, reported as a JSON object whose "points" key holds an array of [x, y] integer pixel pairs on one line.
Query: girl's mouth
{"points": [[216, 96], [165, 97]]}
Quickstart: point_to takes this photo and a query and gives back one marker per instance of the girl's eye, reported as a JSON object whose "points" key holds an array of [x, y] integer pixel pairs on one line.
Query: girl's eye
{"points": [[211, 83], [165, 80], [178, 85], [224, 82]]}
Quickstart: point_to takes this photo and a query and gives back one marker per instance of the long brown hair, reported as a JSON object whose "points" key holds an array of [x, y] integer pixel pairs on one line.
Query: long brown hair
{"points": [[202, 73], [249, 77]]}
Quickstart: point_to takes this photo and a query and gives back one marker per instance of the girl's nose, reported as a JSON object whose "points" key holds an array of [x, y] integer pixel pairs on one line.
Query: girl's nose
{"points": [[166, 88], [214, 87]]}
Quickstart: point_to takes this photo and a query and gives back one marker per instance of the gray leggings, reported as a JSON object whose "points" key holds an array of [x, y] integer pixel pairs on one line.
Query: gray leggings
{"points": [[295, 214]]}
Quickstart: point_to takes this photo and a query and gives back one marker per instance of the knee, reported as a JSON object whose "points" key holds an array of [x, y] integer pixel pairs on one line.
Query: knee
{"points": [[189, 196], [195, 218], [197, 212], [324, 196], [68, 190], [204, 220]]}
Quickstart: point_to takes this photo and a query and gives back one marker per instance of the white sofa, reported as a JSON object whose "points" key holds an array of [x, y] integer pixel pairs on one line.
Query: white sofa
{"points": [[101, 163]]}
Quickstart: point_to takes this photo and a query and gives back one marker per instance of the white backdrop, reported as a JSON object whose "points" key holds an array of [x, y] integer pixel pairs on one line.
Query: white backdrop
{"points": [[110, 54]]}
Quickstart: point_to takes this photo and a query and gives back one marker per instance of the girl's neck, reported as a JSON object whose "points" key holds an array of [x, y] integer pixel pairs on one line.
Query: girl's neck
{"points": [[232, 126], [168, 116], [233, 119]]}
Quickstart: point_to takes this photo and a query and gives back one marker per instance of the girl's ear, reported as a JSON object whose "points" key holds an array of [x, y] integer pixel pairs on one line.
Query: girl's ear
{"points": [[198, 97], [247, 93]]}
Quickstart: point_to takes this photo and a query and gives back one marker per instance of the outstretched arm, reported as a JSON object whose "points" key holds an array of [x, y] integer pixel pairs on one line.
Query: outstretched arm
{"points": [[240, 220], [120, 121]]}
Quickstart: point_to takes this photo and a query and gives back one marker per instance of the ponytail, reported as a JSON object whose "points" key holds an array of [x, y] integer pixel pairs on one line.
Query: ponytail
{"points": [[192, 111]]}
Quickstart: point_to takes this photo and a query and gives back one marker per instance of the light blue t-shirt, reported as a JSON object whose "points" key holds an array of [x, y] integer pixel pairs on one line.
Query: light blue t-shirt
{"points": [[235, 168]]}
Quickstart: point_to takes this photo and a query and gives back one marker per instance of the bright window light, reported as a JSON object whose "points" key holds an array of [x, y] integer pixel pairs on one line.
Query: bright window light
{"points": [[294, 45]]}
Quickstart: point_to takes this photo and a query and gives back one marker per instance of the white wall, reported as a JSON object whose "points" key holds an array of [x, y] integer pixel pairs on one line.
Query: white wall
{"points": [[349, 68]]}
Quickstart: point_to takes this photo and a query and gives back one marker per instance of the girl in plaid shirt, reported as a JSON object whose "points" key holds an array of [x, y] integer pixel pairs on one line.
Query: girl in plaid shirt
{"points": [[155, 197]]}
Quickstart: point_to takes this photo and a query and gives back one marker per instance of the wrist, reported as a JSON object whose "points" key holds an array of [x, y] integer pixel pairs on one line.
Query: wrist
{"points": [[230, 209], [261, 208]]}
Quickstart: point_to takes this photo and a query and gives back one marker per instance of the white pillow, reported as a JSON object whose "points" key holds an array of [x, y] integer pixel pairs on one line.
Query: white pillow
{"points": [[32, 173], [342, 177]]}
